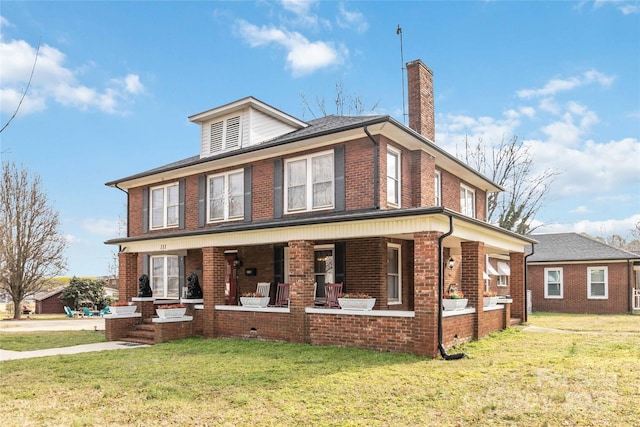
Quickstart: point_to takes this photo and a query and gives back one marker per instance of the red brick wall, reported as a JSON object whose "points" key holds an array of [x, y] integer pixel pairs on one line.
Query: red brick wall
{"points": [[457, 329], [262, 189], [575, 281], [492, 320], [376, 333], [426, 287], [422, 175], [421, 99], [127, 275], [268, 326], [115, 329], [168, 331], [260, 258], [367, 270], [359, 174], [516, 285]]}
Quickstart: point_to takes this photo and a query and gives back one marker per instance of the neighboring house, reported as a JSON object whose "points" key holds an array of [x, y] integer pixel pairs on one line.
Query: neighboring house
{"points": [[574, 273], [364, 201], [50, 303]]}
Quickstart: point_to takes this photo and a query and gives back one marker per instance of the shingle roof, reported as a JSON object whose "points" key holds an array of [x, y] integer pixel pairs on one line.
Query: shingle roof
{"points": [[317, 127], [574, 247]]}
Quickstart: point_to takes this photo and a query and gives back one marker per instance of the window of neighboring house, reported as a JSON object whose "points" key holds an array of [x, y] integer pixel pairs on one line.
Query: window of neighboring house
{"points": [[393, 177], [224, 134], [598, 283], [323, 267], [553, 283], [502, 281], [467, 201], [226, 196], [164, 276], [164, 206], [437, 182], [309, 182], [394, 274]]}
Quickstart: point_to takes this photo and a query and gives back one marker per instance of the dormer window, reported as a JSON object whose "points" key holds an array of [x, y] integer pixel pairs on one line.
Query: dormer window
{"points": [[224, 135]]}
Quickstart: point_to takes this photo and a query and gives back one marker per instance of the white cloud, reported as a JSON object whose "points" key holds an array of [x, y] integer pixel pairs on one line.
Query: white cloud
{"points": [[555, 86], [599, 228], [303, 56], [53, 81], [627, 8], [351, 19], [298, 7], [101, 227], [592, 168], [580, 210]]}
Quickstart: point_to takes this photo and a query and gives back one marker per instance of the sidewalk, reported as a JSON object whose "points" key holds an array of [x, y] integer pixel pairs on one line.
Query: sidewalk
{"points": [[90, 324]]}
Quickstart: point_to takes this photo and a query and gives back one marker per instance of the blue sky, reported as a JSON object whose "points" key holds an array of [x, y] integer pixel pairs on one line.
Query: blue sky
{"points": [[115, 83]]}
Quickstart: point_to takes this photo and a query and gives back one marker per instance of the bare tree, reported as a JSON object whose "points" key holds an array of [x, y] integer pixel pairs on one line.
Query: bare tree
{"points": [[510, 165], [31, 246], [354, 105]]}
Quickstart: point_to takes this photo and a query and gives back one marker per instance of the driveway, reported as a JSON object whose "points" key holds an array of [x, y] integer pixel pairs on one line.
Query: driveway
{"points": [[28, 325]]}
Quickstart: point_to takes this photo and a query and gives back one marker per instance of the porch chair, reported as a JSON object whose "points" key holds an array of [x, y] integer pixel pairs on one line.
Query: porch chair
{"points": [[282, 295], [70, 313], [104, 311], [87, 313], [333, 291], [318, 301], [264, 289]]}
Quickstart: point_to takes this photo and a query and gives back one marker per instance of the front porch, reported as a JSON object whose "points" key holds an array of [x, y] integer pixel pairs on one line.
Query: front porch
{"points": [[381, 330], [402, 271]]}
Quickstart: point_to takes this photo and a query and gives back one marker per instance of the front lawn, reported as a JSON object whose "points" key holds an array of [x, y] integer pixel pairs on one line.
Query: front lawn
{"points": [[515, 377], [26, 341]]}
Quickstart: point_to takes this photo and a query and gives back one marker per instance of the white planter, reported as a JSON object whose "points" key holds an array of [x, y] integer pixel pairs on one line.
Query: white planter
{"points": [[455, 304], [360, 304], [165, 313], [490, 301], [120, 310], [254, 301]]}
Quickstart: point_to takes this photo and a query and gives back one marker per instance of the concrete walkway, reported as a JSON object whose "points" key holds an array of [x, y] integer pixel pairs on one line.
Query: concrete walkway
{"points": [[89, 324]]}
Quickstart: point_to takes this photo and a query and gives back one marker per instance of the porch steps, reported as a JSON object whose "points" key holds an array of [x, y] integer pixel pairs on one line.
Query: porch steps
{"points": [[514, 321], [143, 333]]}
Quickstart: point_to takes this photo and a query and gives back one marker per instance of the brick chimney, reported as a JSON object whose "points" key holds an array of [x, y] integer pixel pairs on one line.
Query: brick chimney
{"points": [[422, 116]]}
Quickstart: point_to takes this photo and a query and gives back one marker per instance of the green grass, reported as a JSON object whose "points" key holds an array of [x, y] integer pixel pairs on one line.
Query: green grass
{"points": [[512, 378], [26, 341], [586, 322]]}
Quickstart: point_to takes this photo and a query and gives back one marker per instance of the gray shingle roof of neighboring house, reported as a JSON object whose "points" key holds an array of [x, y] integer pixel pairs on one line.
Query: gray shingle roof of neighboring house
{"points": [[39, 296], [574, 247]]}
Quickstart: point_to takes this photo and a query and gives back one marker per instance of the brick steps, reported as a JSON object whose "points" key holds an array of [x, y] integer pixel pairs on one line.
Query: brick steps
{"points": [[514, 321], [143, 333]]}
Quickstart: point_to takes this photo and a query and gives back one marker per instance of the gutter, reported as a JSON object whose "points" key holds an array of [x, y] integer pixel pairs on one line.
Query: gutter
{"points": [[376, 168], [443, 352]]}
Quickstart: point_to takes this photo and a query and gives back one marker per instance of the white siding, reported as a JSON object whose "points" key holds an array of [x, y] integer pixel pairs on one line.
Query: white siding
{"points": [[255, 127], [263, 127]]}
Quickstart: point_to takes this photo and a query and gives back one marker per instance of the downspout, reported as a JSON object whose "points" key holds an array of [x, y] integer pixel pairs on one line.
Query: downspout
{"points": [[443, 352], [629, 292], [376, 169], [526, 274]]}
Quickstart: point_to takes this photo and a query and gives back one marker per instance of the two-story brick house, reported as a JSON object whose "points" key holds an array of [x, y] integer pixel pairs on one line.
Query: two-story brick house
{"points": [[363, 201]]}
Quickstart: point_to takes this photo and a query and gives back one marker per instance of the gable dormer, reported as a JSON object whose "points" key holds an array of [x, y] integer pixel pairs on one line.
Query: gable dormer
{"points": [[241, 124]]}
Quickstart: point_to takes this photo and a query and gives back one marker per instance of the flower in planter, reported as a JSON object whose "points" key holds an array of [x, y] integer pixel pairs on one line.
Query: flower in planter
{"points": [[454, 295], [354, 295], [120, 304], [169, 306], [489, 294], [252, 295]]}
